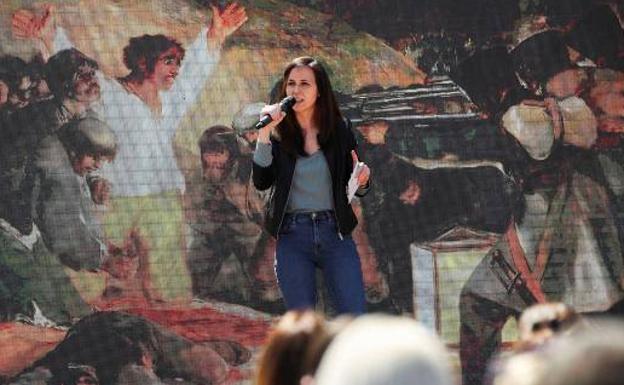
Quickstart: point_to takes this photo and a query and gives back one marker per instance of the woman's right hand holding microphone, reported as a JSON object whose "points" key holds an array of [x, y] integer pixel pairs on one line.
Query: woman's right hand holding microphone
{"points": [[277, 115]]}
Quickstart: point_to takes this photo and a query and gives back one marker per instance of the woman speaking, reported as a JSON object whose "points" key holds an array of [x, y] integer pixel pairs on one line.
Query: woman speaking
{"points": [[307, 157]]}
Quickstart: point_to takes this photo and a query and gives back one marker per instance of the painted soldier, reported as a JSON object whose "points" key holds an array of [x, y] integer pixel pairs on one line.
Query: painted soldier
{"points": [[563, 243]]}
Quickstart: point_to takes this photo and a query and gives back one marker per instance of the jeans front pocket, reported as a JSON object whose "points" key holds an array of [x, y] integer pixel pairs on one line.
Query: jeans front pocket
{"points": [[287, 225]]}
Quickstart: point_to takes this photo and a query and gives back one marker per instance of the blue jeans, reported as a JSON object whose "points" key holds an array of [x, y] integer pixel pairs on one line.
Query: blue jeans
{"points": [[309, 241]]}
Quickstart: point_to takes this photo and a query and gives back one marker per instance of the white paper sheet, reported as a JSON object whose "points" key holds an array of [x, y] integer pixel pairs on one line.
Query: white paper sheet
{"points": [[353, 184]]}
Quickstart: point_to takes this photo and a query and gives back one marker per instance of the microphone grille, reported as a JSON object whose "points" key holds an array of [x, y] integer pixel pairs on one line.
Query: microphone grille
{"points": [[287, 103]]}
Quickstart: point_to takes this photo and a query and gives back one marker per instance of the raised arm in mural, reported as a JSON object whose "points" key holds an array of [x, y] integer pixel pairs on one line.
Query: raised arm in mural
{"points": [[41, 26]]}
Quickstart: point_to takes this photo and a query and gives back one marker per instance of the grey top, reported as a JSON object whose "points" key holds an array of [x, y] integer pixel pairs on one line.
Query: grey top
{"points": [[311, 185], [311, 188]]}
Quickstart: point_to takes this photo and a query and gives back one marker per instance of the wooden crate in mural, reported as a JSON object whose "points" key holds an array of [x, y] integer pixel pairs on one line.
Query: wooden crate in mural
{"points": [[441, 268]]}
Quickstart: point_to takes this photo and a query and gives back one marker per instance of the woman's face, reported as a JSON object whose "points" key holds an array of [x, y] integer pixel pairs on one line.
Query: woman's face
{"points": [[301, 84]]}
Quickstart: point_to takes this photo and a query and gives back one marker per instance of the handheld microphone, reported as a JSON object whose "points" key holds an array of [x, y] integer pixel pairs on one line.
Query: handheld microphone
{"points": [[285, 105]]}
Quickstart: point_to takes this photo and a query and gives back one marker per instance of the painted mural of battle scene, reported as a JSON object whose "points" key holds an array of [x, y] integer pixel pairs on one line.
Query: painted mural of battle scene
{"points": [[132, 246]]}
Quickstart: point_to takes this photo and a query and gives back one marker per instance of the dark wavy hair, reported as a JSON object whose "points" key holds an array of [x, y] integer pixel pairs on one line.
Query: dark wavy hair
{"points": [[218, 139], [147, 48], [294, 348], [61, 69], [326, 112], [12, 69]]}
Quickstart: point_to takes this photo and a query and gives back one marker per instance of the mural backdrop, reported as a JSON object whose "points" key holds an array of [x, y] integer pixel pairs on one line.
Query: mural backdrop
{"points": [[131, 239]]}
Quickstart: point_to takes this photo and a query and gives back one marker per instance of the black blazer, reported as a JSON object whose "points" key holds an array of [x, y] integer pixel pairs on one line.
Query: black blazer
{"points": [[278, 176]]}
